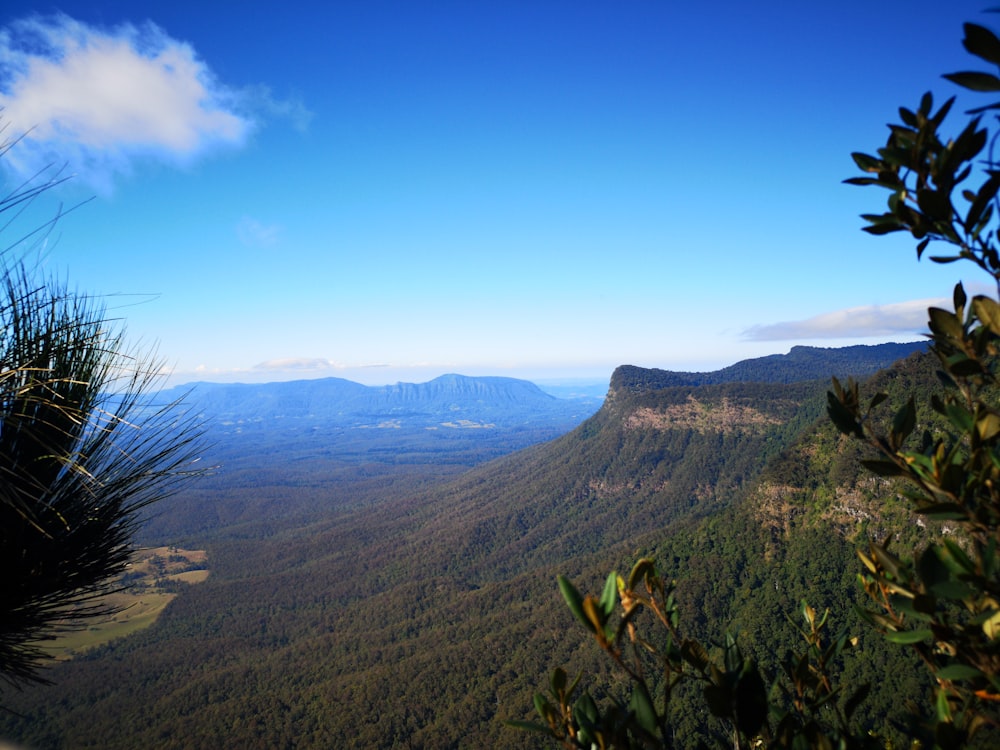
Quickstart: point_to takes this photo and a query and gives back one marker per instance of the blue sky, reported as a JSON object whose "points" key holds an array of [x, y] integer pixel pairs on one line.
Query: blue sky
{"points": [[389, 191]]}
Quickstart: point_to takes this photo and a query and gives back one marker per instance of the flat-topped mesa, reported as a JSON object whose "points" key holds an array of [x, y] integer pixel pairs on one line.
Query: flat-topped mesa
{"points": [[800, 364], [632, 379]]}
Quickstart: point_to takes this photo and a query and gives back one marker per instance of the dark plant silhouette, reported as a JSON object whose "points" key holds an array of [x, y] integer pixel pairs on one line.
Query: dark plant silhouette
{"points": [[83, 447]]}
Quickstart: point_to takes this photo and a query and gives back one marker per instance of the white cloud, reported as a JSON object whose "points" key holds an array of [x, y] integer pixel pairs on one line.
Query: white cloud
{"points": [[901, 318], [101, 98]]}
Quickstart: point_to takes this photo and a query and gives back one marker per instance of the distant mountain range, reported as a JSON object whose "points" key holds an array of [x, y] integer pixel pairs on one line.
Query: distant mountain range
{"points": [[449, 401], [459, 401]]}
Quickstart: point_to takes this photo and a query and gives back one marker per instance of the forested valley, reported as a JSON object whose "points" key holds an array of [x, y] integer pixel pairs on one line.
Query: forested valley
{"points": [[381, 600]]}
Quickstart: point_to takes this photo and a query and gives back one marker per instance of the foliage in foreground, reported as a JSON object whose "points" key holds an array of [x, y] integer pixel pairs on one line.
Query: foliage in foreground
{"points": [[82, 450], [806, 706], [942, 601]]}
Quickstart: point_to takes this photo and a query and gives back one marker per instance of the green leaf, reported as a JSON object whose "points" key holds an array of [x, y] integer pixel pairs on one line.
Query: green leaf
{"points": [[609, 596], [930, 568], [926, 103], [906, 637], [961, 365], [883, 468], [938, 118], [719, 700], [953, 590], [987, 192], [864, 181], [867, 163], [959, 298], [943, 709], [695, 654], [904, 422], [988, 426], [943, 512], [975, 81], [857, 698], [888, 561], [595, 615], [557, 681], [732, 655], [884, 228], [970, 142], [841, 416], [946, 323], [988, 312], [642, 570], [958, 672], [575, 601], [955, 557], [527, 726], [641, 705], [585, 708], [959, 416], [923, 606], [982, 43], [986, 108], [936, 204], [751, 701], [543, 707], [991, 626]]}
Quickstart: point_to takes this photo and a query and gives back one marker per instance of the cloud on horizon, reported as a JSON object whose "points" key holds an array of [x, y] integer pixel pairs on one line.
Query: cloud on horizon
{"points": [[298, 363], [870, 321], [101, 99]]}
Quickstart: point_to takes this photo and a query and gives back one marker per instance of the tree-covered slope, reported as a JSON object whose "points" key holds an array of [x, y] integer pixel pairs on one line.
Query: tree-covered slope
{"points": [[416, 614], [817, 481]]}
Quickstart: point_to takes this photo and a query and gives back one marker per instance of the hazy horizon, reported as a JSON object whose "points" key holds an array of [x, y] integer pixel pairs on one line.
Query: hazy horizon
{"points": [[390, 375]]}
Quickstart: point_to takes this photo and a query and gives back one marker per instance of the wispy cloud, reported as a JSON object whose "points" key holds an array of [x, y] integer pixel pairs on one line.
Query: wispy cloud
{"points": [[298, 363], [254, 233], [901, 318], [103, 98], [261, 99]]}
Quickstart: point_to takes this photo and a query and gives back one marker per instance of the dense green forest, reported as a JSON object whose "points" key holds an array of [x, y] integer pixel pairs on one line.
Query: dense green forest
{"points": [[388, 604]]}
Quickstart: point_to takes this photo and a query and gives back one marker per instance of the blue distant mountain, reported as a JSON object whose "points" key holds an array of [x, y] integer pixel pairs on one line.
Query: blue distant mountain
{"points": [[449, 401]]}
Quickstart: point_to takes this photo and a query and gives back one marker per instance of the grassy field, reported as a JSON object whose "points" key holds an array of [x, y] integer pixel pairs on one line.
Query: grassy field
{"points": [[140, 603]]}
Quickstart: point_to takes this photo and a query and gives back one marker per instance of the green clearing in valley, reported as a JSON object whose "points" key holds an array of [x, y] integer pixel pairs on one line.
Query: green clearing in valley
{"points": [[139, 605]]}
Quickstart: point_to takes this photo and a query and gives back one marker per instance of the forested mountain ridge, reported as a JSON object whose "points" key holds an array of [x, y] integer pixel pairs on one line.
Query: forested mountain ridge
{"points": [[399, 613], [801, 363], [635, 466]]}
